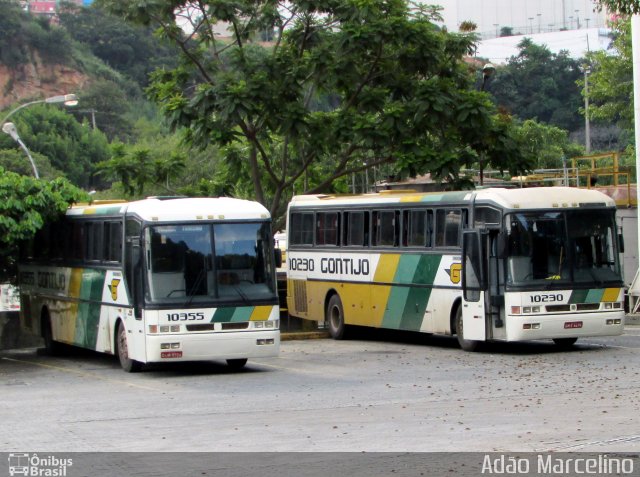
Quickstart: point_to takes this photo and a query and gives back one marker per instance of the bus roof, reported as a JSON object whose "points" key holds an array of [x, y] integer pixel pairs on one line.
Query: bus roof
{"points": [[520, 198], [178, 209]]}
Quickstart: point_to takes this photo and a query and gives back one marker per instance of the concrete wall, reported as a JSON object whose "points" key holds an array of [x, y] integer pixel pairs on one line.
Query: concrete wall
{"points": [[11, 336]]}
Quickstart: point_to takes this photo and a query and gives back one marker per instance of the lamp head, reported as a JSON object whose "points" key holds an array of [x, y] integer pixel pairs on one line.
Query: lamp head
{"points": [[70, 100], [67, 99], [488, 70], [10, 129]]}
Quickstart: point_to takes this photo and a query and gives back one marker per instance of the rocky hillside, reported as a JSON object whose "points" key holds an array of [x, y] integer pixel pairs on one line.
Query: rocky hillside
{"points": [[36, 80]]}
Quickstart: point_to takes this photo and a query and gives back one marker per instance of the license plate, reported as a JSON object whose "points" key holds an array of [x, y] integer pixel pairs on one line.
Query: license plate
{"points": [[572, 324], [171, 354]]}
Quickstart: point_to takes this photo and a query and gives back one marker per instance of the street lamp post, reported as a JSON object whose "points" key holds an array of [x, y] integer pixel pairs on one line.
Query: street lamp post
{"points": [[587, 126], [11, 130], [487, 71], [67, 99]]}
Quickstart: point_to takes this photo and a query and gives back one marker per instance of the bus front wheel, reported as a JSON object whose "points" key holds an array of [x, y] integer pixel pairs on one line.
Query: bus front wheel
{"points": [[128, 364], [334, 316], [236, 364], [466, 345], [565, 343]]}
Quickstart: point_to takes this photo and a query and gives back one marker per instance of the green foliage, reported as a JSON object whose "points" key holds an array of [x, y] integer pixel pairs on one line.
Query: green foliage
{"points": [[20, 34], [611, 81], [400, 92], [70, 146], [538, 84], [627, 7], [545, 146], [15, 160], [26, 204], [129, 49], [106, 103]]}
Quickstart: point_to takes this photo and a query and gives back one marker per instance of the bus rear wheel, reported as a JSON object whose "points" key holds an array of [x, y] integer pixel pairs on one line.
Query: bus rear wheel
{"points": [[334, 316], [466, 345], [128, 364], [51, 346], [565, 343]]}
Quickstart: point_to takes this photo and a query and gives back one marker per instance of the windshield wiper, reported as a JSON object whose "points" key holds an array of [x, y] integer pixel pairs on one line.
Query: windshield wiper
{"points": [[194, 288]]}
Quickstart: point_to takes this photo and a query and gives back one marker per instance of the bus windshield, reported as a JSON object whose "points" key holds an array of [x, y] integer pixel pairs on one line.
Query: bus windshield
{"points": [[558, 249], [201, 263]]}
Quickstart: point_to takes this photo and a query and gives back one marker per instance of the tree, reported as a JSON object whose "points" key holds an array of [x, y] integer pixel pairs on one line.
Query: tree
{"points": [[626, 7], [538, 84], [401, 93], [546, 145], [611, 81], [69, 146], [131, 50], [25, 205]]}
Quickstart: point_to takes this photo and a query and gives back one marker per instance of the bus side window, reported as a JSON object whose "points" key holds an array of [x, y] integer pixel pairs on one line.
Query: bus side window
{"points": [[386, 228], [448, 227], [302, 226], [112, 250], [327, 228], [356, 228], [415, 228]]}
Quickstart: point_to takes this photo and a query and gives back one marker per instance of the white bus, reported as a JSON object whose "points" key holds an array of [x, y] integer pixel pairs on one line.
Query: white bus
{"points": [[492, 264], [154, 281]]}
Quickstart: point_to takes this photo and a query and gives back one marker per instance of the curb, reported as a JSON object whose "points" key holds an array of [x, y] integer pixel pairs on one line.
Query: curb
{"points": [[632, 320], [304, 335]]}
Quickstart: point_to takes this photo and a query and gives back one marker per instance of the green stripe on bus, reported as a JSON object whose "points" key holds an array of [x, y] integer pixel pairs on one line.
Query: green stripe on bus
{"points": [[453, 196], [586, 296], [86, 333], [397, 301], [407, 305], [232, 314]]}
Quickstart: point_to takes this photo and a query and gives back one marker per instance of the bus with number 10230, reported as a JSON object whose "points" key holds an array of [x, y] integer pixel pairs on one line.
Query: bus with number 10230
{"points": [[155, 281], [494, 264]]}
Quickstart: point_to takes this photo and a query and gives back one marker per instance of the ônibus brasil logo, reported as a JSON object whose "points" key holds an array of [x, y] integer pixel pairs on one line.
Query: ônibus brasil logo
{"points": [[38, 466]]}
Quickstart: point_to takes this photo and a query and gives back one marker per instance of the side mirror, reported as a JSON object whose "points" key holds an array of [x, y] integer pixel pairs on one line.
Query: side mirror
{"points": [[501, 245], [621, 242], [278, 255]]}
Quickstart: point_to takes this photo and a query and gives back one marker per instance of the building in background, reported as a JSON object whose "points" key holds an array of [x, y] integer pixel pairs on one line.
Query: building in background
{"points": [[50, 7], [572, 25], [522, 17]]}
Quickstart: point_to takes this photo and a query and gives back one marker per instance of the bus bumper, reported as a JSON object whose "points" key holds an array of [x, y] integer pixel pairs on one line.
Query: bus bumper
{"points": [[538, 327], [205, 347]]}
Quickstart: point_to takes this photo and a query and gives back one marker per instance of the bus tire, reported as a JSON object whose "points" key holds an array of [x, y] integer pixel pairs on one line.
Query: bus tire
{"points": [[122, 350], [466, 345], [565, 343], [236, 364], [334, 316], [51, 346]]}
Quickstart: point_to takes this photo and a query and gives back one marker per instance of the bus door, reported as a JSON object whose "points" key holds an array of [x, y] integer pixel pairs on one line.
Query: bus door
{"points": [[474, 285], [134, 273]]}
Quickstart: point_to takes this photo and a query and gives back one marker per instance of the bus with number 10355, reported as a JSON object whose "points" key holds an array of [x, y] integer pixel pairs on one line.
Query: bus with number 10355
{"points": [[488, 265], [155, 281]]}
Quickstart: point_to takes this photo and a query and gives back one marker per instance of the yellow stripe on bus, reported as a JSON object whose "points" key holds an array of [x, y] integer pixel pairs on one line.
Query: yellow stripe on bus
{"points": [[69, 316], [386, 269], [261, 313], [412, 198], [611, 294]]}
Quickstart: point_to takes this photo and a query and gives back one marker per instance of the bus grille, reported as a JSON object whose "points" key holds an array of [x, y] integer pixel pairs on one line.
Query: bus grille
{"points": [[300, 295], [578, 307], [235, 326], [200, 327]]}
